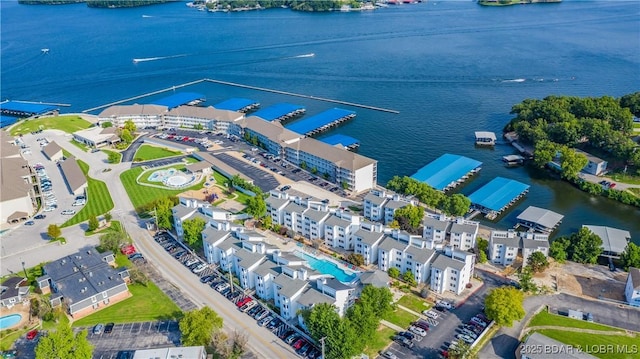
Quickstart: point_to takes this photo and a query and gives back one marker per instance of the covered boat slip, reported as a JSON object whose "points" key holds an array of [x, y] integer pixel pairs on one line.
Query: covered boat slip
{"points": [[485, 138], [496, 196], [238, 104], [179, 99], [321, 122], [447, 171], [345, 141], [280, 112]]}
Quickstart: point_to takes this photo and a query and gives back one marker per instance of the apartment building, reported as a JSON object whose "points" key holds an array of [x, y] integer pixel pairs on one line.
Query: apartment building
{"points": [[435, 229], [208, 118], [366, 244], [451, 271], [313, 223], [462, 234], [143, 116], [504, 246], [405, 257], [339, 230], [17, 195], [272, 135], [381, 206], [190, 208]]}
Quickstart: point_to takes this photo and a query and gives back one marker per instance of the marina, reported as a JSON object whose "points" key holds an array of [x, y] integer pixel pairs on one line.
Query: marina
{"points": [[181, 98], [539, 220], [497, 196], [238, 104], [345, 141], [321, 122], [12, 111], [447, 171], [280, 112]]}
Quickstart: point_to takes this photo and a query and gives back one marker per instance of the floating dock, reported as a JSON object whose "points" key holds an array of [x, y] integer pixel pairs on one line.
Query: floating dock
{"points": [[526, 151], [512, 160], [485, 138], [181, 98], [447, 171], [280, 112], [345, 141], [238, 104], [496, 196], [12, 111], [321, 122]]}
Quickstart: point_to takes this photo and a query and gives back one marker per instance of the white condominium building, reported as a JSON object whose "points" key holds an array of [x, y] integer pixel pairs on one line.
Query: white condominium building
{"points": [[462, 234], [381, 206], [505, 245], [339, 230], [405, 257], [451, 271], [143, 116], [208, 118], [366, 244]]}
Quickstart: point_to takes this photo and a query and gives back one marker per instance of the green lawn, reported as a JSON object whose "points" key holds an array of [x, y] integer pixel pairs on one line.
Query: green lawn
{"points": [[145, 177], [545, 318], [98, 199], [68, 124], [381, 340], [635, 191], [401, 318], [80, 145], [414, 303], [117, 153], [141, 195], [147, 304], [625, 178], [596, 344], [147, 153]]}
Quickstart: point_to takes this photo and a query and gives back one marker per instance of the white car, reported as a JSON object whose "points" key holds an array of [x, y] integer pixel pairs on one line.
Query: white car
{"points": [[79, 203], [421, 332], [389, 355], [49, 209], [478, 321], [68, 212], [445, 304], [430, 314], [467, 339]]}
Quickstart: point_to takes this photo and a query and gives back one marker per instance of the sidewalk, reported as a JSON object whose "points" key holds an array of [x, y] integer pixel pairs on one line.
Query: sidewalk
{"points": [[409, 310], [391, 325]]}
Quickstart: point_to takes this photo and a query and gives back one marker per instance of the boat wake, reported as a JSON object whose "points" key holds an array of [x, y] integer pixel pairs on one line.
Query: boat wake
{"points": [[145, 59], [513, 80], [299, 56], [147, 16]]}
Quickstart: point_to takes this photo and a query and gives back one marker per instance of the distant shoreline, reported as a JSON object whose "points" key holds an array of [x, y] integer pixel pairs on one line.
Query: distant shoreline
{"points": [[515, 2]]}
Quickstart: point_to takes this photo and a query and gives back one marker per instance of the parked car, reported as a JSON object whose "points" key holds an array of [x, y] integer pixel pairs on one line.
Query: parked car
{"points": [[407, 335], [467, 339], [261, 315], [431, 314], [298, 344], [420, 324], [108, 328], [40, 216], [417, 330], [404, 342], [389, 355], [29, 223], [445, 304], [262, 322], [292, 338], [97, 330], [135, 255], [68, 212], [478, 321], [32, 334]]}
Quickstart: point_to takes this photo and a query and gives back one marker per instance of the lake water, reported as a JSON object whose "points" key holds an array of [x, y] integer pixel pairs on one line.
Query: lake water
{"points": [[448, 67]]}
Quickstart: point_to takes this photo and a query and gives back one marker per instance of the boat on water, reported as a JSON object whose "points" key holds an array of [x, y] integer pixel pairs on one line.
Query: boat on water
{"points": [[45, 51], [512, 160], [307, 55]]}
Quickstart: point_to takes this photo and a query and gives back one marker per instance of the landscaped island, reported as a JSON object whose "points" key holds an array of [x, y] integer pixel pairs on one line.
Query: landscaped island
{"points": [[514, 2]]}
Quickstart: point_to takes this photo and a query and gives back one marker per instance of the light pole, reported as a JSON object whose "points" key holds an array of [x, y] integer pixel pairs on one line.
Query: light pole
{"points": [[24, 269], [322, 342]]}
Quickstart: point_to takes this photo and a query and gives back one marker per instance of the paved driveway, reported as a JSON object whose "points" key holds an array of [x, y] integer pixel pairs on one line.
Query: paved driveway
{"points": [[261, 177]]}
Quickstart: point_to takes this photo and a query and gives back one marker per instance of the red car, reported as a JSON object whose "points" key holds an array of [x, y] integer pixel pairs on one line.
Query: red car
{"points": [[128, 249], [612, 185], [297, 345], [32, 334]]}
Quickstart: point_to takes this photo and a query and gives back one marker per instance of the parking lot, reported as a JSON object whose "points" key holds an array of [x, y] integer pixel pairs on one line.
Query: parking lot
{"points": [[132, 336], [261, 177]]}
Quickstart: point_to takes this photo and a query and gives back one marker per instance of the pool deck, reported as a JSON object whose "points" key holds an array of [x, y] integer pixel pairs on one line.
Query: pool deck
{"points": [[23, 310]]}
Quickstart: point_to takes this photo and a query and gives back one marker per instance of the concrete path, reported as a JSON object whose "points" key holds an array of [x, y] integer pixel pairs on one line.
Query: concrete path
{"points": [[391, 325], [409, 310], [581, 330]]}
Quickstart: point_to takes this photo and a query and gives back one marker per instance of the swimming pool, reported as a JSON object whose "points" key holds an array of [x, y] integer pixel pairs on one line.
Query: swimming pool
{"points": [[327, 267], [9, 321]]}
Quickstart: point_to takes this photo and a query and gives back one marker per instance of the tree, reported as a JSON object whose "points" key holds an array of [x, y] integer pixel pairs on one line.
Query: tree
{"points": [[409, 278], [126, 136], [193, 230], [41, 308], [164, 214], [457, 205], [394, 272], [544, 152], [256, 206], [462, 350], [538, 262], [197, 326], [378, 299], [344, 185], [129, 126], [323, 321], [62, 344], [571, 163], [108, 217], [526, 280], [198, 126], [303, 165], [355, 259], [585, 247], [314, 170], [558, 249], [113, 157], [409, 217], [93, 223], [504, 305], [113, 240], [482, 257], [107, 124], [54, 231], [136, 276], [632, 102], [631, 256]]}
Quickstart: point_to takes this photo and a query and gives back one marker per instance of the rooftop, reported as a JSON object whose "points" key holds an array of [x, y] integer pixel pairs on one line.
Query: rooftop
{"points": [[248, 259], [634, 273], [267, 267], [464, 228], [320, 120], [614, 240], [436, 224], [132, 110], [532, 243], [376, 278], [368, 238], [275, 202], [288, 286], [236, 104], [12, 182], [442, 262], [73, 174], [390, 243], [171, 353], [338, 156], [96, 134], [374, 199], [446, 170], [498, 193], [51, 149], [337, 221], [315, 215], [213, 235], [312, 296], [272, 130], [25, 109], [420, 255], [339, 139], [277, 111], [540, 216], [485, 134], [179, 98], [206, 113]]}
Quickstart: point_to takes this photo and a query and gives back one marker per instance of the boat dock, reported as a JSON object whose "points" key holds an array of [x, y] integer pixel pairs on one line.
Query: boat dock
{"points": [[495, 197], [485, 138], [345, 141], [447, 171], [280, 112], [526, 151], [238, 104], [181, 98], [512, 160], [321, 122]]}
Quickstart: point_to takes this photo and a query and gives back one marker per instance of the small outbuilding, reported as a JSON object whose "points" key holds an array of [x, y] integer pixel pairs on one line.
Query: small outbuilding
{"points": [[73, 175], [53, 151], [540, 219], [614, 240], [632, 288]]}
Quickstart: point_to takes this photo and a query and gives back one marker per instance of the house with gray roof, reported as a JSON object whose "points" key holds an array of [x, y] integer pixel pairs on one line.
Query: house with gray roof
{"points": [[14, 290], [539, 219], [265, 273], [614, 240], [85, 281], [53, 151], [366, 244], [392, 205], [313, 223], [293, 216], [503, 247], [462, 234], [73, 175], [530, 246], [418, 261], [286, 291], [17, 195], [390, 254], [376, 278], [632, 287]]}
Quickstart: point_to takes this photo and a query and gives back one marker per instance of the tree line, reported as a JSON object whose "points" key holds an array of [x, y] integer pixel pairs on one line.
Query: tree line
{"points": [[454, 205]]}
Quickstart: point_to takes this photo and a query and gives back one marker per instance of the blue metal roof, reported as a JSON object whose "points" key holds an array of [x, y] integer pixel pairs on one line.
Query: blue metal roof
{"points": [[25, 109], [344, 140], [178, 99], [7, 120], [445, 170], [235, 104], [496, 194], [307, 125], [276, 111]]}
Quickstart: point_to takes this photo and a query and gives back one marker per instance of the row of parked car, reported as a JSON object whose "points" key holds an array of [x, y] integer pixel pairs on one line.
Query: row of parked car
{"points": [[467, 333], [246, 304]]}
